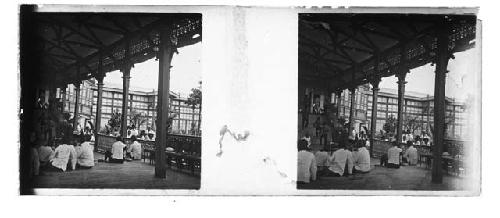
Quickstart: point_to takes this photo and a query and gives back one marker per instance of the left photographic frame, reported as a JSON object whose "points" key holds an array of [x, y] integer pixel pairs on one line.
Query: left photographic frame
{"points": [[103, 104]]}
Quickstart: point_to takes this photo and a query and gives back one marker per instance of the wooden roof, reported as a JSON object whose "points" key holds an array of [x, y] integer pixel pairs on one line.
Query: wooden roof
{"points": [[69, 45], [344, 49]]}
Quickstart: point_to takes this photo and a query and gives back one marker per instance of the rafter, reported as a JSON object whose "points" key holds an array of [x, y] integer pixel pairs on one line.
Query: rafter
{"points": [[52, 19]]}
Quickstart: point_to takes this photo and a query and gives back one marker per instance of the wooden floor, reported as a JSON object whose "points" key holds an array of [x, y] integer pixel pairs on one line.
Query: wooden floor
{"points": [[129, 175], [382, 178]]}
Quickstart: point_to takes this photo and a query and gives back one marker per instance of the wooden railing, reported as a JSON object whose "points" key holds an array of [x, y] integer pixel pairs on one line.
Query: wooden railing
{"points": [[179, 143], [182, 151], [380, 147]]}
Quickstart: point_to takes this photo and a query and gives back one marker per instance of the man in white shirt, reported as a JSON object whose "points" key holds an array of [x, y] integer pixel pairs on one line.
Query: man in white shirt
{"points": [[411, 154], [116, 153], [45, 152], [307, 137], [362, 160], [352, 135], [64, 155], [134, 150], [338, 161], [393, 155], [367, 143], [306, 168], [85, 153], [322, 162]]}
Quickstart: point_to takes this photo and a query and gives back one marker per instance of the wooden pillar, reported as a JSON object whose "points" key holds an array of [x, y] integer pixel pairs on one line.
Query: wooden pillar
{"points": [[353, 108], [126, 86], [338, 95], [373, 127], [453, 123], [63, 98], [439, 102], [155, 108], [100, 78], [165, 57], [77, 105], [401, 96]]}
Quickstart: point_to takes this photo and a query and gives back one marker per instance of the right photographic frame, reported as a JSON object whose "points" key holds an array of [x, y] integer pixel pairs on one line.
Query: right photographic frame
{"points": [[389, 101]]}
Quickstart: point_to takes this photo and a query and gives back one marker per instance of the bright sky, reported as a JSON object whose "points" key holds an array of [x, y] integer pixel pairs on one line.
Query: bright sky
{"points": [[184, 74], [459, 80]]}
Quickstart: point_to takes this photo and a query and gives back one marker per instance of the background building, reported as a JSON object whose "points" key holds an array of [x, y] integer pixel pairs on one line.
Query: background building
{"points": [[142, 107], [418, 111]]}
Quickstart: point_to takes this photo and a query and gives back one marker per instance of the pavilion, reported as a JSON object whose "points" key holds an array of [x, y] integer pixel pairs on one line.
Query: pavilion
{"points": [[58, 49], [344, 51]]}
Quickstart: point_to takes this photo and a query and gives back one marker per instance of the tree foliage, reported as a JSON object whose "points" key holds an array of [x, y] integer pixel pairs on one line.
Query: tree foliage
{"points": [[390, 125], [137, 119], [194, 100], [412, 123], [115, 121]]}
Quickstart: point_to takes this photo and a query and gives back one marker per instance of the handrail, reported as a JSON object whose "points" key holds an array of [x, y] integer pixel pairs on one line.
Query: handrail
{"points": [[180, 143]]}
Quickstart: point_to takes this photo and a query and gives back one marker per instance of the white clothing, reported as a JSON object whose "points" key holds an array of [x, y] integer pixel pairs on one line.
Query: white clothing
{"points": [[362, 160], [412, 155], [306, 169], [134, 132], [85, 154], [393, 155], [44, 153], [352, 136], [367, 143], [117, 150], [135, 150], [321, 158], [62, 155], [338, 161], [308, 139]]}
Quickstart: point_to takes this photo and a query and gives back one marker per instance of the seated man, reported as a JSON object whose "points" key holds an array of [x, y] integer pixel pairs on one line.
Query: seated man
{"points": [[393, 155], [64, 155], [134, 150], [322, 162], [411, 154], [306, 169], [44, 154], [116, 153], [85, 153], [362, 160], [339, 159]]}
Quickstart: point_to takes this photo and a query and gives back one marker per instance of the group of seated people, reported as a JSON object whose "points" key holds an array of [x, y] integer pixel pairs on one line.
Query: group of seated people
{"points": [[73, 153], [120, 151], [342, 162], [395, 156], [77, 153]]}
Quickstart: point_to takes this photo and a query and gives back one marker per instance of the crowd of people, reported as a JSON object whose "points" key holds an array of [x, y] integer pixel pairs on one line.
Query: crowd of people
{"points": [[351, 157], [146, 135], [72, 153], [77, 152], [346, 160]]}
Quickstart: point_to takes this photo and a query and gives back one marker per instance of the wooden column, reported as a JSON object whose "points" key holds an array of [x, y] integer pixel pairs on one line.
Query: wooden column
{"points": [[126, 86], [439, 102], [165, 57], [401, 98], [97, 125], [353, 108], [155, 108], [338, 95], [63, 97], [373, 127], [77, 105]]}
